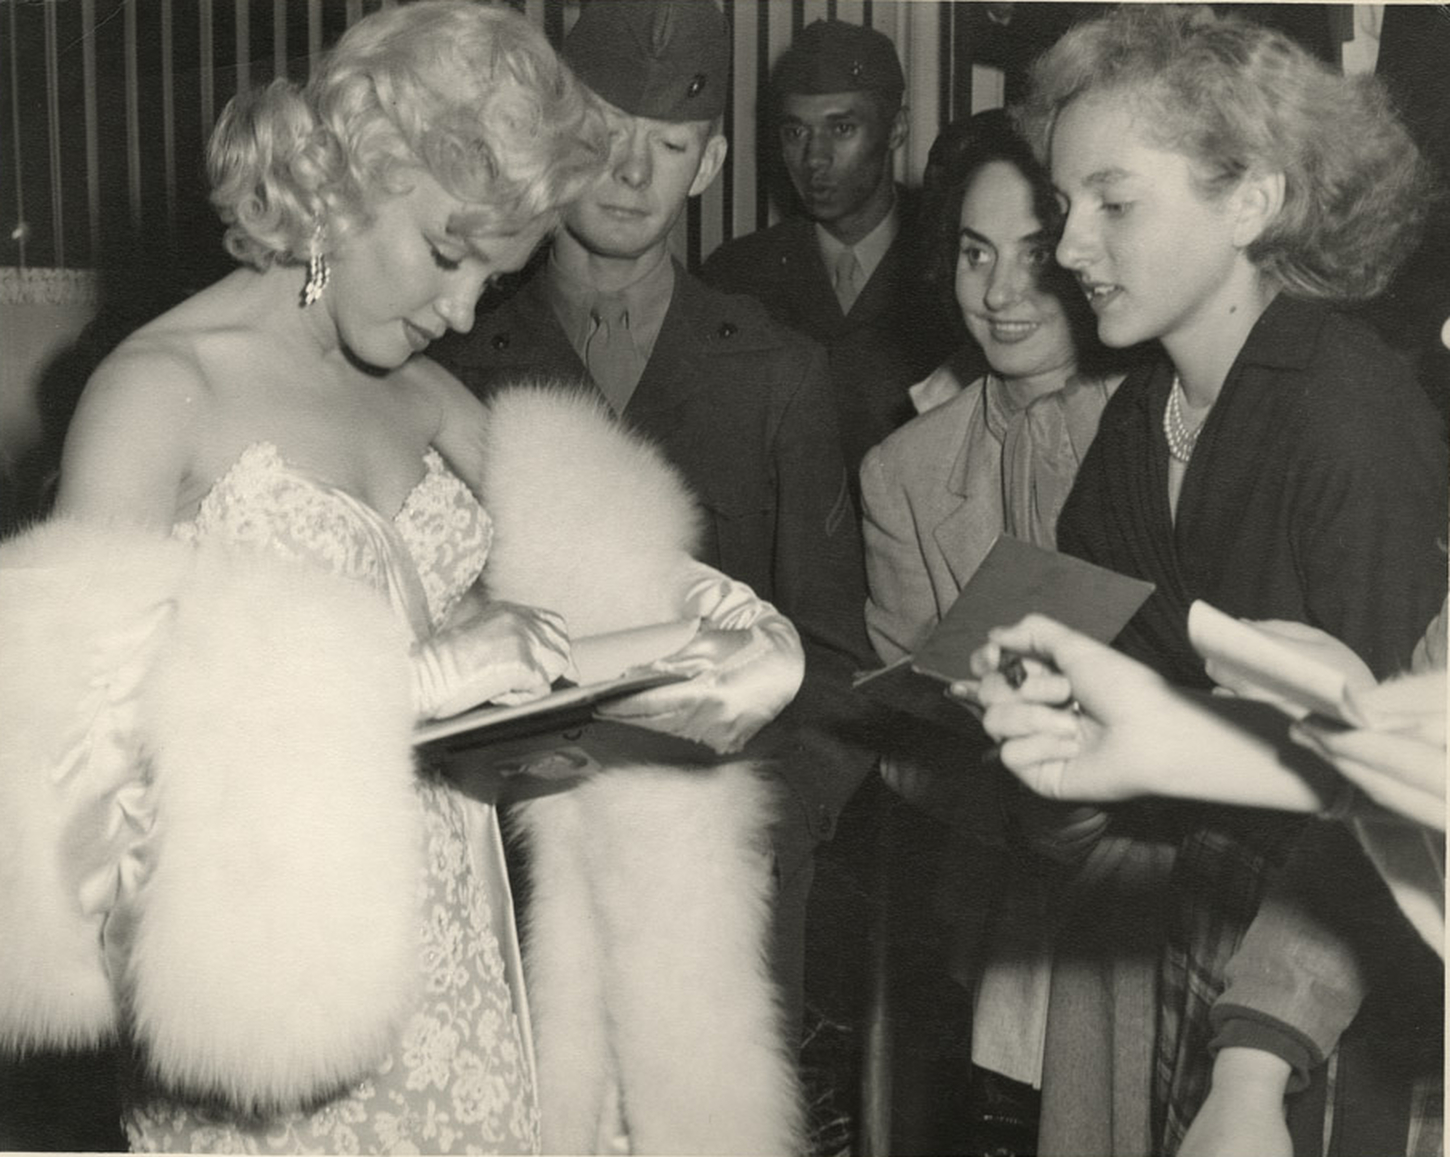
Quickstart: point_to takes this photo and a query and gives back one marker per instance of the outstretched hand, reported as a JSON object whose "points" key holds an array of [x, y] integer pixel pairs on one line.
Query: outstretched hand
{"points": [[1399, 761], [1084, 724]]}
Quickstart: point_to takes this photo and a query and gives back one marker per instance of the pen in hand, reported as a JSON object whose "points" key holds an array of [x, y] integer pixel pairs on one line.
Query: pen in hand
{"points": [[1011, 667]]}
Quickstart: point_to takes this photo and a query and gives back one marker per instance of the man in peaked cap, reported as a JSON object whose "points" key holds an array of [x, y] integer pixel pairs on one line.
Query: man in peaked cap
{"points": [[739, 404], [843, 272]]}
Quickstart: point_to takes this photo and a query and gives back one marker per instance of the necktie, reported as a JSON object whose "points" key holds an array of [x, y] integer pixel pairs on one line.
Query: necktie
{"points": [[610, 354], [847, 279]]}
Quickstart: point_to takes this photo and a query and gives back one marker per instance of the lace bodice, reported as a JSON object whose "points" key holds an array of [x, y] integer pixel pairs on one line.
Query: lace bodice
{"points": [[442, 530], [460, 1076]]}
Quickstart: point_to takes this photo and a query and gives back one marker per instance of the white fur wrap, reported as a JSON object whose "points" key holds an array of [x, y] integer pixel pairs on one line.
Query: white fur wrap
{"points": [[208, 753], [654, 1011]]}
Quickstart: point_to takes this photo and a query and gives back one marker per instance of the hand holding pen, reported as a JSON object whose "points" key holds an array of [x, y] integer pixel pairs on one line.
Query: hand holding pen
{"points": [[1050, 697]]}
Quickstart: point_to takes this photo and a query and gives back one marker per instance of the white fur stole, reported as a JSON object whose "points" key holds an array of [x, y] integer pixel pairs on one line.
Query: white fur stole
{"points": [[646, 942], [230, 794]]}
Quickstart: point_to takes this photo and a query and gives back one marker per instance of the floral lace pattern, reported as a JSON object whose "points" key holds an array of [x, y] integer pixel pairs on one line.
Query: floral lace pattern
{"points": [[459, 1079], [447, 533], [261, 501]]}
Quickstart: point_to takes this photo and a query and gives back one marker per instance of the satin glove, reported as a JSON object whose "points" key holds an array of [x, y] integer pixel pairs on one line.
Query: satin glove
{"points": [[507, 653], [743, 666]]}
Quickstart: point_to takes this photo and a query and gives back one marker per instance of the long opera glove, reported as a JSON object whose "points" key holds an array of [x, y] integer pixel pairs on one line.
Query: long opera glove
{"points": [[744, 666], [506, 654]]}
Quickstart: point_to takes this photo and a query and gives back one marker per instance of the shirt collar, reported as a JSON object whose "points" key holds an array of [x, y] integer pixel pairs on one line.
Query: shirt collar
{"points": [[1286, 334], [646, 300], [869, 250]]}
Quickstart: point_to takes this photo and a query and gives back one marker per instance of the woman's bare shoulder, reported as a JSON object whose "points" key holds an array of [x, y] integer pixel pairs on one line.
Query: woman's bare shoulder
{"points": [[437, 384], [151, 375], [130, 440], [189, 353], [456, 416]]}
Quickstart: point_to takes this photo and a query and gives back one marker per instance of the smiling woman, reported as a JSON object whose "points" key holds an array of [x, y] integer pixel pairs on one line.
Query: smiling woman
{"points": [[993, 220], [1222, 187], [1023, 330], [991, 456]]}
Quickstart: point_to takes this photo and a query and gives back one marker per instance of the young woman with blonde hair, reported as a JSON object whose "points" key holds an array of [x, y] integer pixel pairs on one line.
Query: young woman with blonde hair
{"points": [[1223, 190]]}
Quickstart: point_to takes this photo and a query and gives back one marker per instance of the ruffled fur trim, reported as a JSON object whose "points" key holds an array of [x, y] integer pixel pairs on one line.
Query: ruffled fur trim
{"points": [[589, 518], [79, 609], [206, 756], [645, 952], [276, 952], [645, 945]]}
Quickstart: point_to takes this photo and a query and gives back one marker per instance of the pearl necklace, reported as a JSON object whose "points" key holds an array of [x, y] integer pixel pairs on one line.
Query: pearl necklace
{"points": [[1181, 439]]}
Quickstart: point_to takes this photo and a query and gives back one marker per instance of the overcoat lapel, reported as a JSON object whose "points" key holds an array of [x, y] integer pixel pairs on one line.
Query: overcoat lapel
{"points": [[813, 295], [876, 295], [674, 374], [956, 533], [541, 334]]}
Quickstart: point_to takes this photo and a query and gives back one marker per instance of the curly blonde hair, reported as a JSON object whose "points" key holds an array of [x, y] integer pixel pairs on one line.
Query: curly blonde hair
{"points": [[471, 93], [1236, 97]]}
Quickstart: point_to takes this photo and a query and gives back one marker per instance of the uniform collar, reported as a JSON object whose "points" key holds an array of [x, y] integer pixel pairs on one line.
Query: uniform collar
{"points": [[646, 300], [870, 249]]}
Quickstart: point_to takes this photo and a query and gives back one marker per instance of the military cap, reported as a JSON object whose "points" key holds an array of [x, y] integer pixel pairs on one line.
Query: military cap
{"points": [[838, 56], [668, 60]]}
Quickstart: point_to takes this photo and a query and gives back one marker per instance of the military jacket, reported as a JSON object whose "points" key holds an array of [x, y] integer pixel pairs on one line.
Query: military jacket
{"points": [[894, 335], [741, 406]]}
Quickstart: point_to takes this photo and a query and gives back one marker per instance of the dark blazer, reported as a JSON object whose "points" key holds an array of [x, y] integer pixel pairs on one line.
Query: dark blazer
{"points": [[1316, 493], [741, 407], [895, 334]]}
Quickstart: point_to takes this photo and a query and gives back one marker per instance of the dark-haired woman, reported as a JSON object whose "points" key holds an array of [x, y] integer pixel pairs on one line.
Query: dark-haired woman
{"points": [[997, 455]]}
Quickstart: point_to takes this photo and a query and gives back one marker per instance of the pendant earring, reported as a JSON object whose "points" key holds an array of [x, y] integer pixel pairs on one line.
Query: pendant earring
{"points": [[317, 271]]}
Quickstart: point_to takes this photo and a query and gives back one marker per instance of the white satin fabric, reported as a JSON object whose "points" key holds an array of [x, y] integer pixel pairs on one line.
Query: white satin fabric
{"points": [[744, 665]]}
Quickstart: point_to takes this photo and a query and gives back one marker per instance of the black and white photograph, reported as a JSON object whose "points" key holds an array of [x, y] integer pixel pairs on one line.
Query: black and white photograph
{"points": [[809, 578]]}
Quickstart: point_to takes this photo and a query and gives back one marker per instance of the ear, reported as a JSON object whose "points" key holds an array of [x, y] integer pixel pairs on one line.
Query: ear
{"points": [[900, 125], [710, 161], [1258, 201]]}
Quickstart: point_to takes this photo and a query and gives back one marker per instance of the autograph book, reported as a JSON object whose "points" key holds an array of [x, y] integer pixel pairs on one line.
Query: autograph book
{"points": [[610, 666], [1017, 578]]}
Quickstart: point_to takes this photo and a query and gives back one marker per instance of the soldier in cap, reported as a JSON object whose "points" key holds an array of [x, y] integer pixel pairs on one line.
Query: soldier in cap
{"points": [[843, 272], [738, 402]]}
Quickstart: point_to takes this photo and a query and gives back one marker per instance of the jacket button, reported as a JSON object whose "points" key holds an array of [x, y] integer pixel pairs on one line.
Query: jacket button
{"points": [[728, 329], [500, 341]]}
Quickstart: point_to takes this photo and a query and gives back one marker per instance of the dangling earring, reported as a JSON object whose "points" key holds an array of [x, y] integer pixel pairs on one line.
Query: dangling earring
{"points": [[317, 271]]}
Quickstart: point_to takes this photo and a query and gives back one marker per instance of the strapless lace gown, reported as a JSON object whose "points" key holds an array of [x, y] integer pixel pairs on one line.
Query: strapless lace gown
{"points": [[460, 1078]]}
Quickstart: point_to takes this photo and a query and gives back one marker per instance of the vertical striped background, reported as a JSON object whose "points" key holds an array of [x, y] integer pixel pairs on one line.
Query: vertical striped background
{"points": [[105, 106]]}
